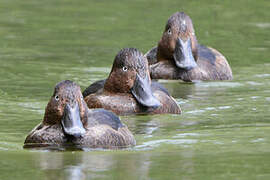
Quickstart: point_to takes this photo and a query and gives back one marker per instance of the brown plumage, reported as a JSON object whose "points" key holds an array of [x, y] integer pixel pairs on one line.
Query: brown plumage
{"points": [[179, 56], [128, 89], [68, 121], [126, 104]]}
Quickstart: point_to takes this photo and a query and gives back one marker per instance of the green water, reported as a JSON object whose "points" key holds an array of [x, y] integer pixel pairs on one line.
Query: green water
{"points": [[224, 131]]}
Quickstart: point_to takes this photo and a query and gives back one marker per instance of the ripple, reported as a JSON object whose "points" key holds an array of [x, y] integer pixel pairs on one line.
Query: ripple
{"points": [[188, 123], [257, 48], [195, 111], [198, 111], [156, 143], [182, 135], [97, 69], [9, 146], [254, 83], [167, 81], [224, 107], [258, 140], [262, 75], [262, 25], [255, 97], [210, 108], [149, 131], [211, 141], [219, 84], [4, 149], [182, 101], [33, 106]]}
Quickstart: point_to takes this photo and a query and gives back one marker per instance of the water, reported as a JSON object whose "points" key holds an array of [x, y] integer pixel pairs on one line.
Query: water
{"points": [[224, 131]]}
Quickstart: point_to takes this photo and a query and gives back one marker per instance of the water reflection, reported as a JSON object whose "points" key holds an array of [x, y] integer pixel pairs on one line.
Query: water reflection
{"points": [[185, 90], [179, 89], [114, 165], [142, 124], [72, 165], [44, 42], [91, 165]]}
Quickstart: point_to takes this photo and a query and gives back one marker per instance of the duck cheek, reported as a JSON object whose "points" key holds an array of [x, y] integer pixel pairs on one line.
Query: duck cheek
{"points": [[165, 41], [170, 44], [131, 79], [82, 111], [59, 110], [125, 81], [194, 44]]}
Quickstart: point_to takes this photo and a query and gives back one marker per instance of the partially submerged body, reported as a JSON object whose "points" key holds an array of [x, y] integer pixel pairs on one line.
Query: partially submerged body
{"points": [[125, 103], [129, 90], [179, 56], [68, 121], [211, 65]]}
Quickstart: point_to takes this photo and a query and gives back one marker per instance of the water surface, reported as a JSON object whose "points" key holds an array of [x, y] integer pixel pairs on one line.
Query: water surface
{"points": [[224, 131]]}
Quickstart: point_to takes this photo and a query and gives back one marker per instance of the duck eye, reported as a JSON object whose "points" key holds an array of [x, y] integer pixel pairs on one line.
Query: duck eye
{"points": [[169, 31], [56, 98], [125, 68]]}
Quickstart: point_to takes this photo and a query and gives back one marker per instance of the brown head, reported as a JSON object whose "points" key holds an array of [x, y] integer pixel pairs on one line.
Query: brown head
{"points": [[67, 107], [130, 74], [178, 42]]}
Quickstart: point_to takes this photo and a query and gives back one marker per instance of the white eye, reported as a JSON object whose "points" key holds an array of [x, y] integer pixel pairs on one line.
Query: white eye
{"points": [[56, 98], [125, 68], [169, 31]]}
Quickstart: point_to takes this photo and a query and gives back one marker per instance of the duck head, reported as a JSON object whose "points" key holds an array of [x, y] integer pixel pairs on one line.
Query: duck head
{"points": [[178, 42], [130, 74], [67, 108]]}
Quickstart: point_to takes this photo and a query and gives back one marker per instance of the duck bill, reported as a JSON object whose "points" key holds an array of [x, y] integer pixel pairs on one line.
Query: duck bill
{"points": [[71, 121], [142, 91], [183, 56]]}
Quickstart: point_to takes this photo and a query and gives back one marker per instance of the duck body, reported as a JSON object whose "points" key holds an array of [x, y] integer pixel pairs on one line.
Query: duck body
{"points": [[79, 126], [129, 89], [179, 55], [211, 65], [126, 104]]}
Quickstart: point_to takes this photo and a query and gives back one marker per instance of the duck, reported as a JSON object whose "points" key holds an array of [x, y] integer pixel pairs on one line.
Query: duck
{"points": [[178, 55], [68, 122], [129, 90]]}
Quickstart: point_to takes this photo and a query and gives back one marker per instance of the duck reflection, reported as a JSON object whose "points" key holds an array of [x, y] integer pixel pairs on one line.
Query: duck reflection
{"points": [[92, 165], [187, 90], [179, 89], [142, 125], [74, 165]]}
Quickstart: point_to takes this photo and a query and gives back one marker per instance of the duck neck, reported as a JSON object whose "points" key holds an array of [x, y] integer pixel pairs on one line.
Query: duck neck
{"points": [[116, 84], [194, 46], [50, 117], [163, 54], [84, 113]]}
